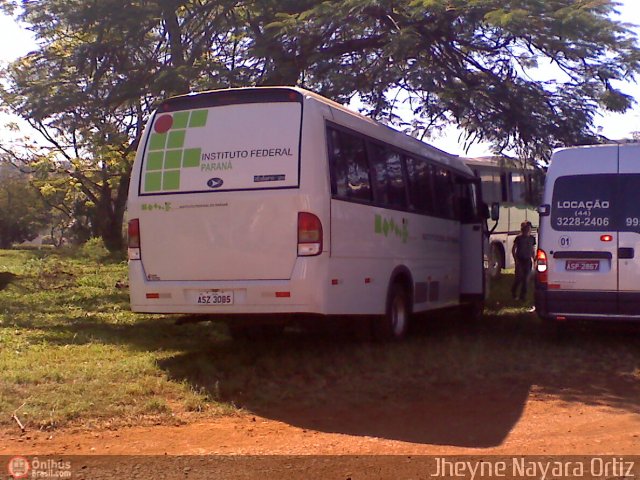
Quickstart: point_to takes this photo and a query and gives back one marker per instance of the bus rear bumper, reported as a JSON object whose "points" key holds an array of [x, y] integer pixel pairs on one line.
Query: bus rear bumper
{"points": [[249, 296], [587, 305]]}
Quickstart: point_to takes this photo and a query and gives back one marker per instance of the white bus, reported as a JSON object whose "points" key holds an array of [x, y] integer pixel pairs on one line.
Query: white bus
{"points": [[265, 203], [516, 189], [588, 261]]}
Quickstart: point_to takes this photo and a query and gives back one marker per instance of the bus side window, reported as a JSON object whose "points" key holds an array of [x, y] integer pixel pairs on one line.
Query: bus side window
{"points": [[388, 177], [505, 186], [518, 188], [491, 187], [349, 166], [420, 175], [445, 193], [468, 201]]}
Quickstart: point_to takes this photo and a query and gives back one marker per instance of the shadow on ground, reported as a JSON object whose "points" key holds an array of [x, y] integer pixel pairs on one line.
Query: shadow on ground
{"points": [[5, 279], [451, 383]]}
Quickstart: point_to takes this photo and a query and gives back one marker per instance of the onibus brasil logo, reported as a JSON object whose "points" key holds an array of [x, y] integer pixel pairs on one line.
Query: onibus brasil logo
{"points": [[18, 467], [21, 467], [166, 152]]}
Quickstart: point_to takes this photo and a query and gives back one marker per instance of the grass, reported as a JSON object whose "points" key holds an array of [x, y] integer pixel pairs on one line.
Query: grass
{"points": [[71, 353], [71, 349]]}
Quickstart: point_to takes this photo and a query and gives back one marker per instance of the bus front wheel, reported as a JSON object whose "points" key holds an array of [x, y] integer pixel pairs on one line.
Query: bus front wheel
{"points": [[395, 322]]}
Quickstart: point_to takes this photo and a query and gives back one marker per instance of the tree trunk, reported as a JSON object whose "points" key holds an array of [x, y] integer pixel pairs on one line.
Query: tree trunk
{"points": [[113, 216], [112, 235], [5, 243]]}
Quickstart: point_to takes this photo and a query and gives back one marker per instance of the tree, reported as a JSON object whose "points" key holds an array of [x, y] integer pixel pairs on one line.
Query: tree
{"points": [[102, 66], [70, 214], [461, 61], [91, 86], [22, 214]]}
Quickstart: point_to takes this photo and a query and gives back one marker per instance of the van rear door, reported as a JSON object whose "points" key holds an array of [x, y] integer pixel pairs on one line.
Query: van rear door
{"points": [[629, 230], [581, 213], [218, 189]]}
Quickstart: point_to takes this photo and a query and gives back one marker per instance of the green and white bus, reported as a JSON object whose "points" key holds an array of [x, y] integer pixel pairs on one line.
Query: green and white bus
{"points": [[274, 202]]}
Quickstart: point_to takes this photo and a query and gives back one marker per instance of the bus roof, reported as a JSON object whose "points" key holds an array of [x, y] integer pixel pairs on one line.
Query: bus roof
{"points": [[497, 162]]}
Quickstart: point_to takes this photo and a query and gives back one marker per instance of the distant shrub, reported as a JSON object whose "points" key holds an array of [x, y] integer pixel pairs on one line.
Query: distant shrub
{"points": [[94, 249]]}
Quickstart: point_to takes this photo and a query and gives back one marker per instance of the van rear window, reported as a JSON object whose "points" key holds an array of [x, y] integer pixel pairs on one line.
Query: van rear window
{"points": [[596, 202], [629, 206], [247, 146]]}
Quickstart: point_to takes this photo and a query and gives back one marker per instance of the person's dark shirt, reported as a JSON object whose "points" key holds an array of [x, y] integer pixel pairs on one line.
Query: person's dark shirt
{"points": [[524, 247]]}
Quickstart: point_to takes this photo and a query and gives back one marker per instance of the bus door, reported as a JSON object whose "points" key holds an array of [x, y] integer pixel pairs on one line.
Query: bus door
{"points": [[472, 238], [628, 219]]}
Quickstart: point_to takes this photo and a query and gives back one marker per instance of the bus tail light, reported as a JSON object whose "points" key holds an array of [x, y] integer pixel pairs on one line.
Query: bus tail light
{"points": [[309, 235], [133, 233], [541, 267]]}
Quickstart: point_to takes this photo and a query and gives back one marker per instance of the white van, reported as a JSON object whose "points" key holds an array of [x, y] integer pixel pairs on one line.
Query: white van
{"points": [[276, 201], [588, 262]]}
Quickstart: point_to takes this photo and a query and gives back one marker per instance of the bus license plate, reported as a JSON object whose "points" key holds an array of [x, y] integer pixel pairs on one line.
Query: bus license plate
{"points": [[583, 265], [218, 297]]}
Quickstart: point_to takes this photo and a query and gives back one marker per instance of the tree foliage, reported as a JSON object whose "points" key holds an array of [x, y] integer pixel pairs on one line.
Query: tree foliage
{"points": [[472, 62], [102, 66], [22, 215]]}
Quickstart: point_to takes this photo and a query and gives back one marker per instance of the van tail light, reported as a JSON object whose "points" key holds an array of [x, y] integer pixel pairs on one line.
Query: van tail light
{"points": [[309, 235], [541, 267], [133, 234]]}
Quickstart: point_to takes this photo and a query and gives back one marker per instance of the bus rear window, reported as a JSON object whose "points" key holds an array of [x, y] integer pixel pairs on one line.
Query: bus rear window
{"points": [[584, 203], [596, 202], [248, 146]]}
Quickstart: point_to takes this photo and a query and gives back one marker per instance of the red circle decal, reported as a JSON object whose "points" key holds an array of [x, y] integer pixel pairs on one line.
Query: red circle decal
{"points": [[163, 124]]}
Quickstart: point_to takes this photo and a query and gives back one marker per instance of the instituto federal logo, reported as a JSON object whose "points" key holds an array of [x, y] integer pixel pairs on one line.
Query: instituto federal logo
{"points": [[166, 154], [18, 467], [215, 182]]}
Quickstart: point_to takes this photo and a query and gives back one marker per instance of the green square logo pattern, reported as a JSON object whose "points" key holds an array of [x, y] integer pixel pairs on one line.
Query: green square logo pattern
{"points": [[153, 181], [154, 161], [180, 120], [158, 141], [166, 154], [172, 159]]}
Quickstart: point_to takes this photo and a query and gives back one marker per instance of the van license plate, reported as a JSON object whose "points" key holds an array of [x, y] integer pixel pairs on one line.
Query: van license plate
{"points": [[583, 265], [217, 297]]}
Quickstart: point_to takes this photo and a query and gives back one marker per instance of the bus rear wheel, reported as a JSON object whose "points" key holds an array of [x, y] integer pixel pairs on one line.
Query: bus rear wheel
{"points": [[473, 311], [395, 322]]}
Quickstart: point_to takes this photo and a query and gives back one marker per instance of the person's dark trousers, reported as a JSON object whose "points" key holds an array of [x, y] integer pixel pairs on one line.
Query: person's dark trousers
{"points": [[523, 269]]}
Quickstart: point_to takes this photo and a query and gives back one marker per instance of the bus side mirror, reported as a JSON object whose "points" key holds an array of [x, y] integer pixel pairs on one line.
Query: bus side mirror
{"points": [[544, 210], [495, 211], [484, 211]]}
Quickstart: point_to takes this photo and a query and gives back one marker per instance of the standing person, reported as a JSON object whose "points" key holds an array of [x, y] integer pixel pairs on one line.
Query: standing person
{"points": [[523, 252]]}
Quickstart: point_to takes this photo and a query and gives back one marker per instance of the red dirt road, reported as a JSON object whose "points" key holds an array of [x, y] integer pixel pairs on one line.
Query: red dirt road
{"points": [[435, 426]]}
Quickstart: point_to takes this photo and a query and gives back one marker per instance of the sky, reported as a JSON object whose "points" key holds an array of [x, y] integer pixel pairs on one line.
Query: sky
{"points": [[15, 41]]}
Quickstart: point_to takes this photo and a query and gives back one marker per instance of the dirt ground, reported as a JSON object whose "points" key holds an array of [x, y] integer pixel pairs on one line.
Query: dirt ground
{"points": [[437, 425], [375, 440]]}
